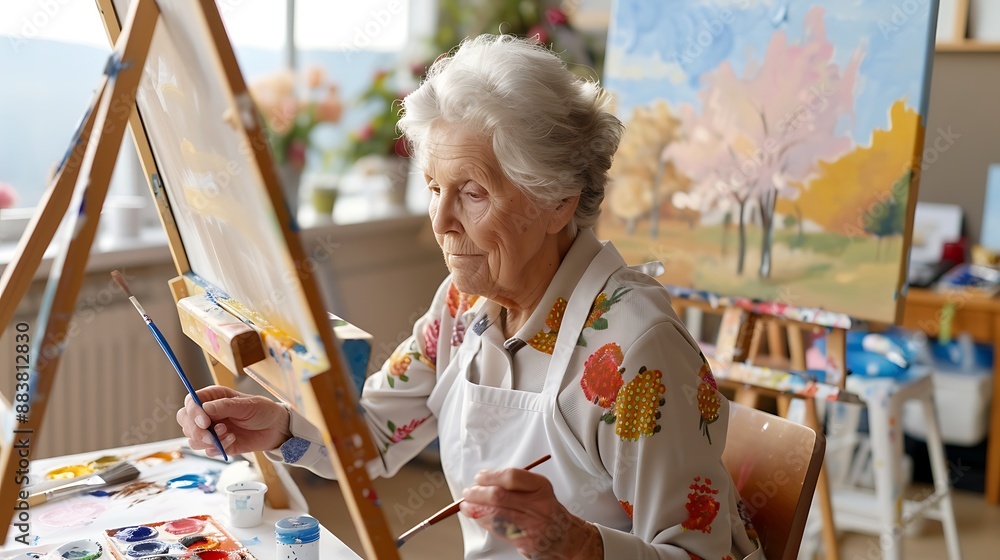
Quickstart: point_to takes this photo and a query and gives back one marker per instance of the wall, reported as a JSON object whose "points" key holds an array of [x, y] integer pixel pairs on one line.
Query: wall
{"points": [[965, 100]]}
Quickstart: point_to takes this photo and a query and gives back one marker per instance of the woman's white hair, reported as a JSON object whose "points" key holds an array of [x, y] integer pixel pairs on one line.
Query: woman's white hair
{"points": [[552, 132]]}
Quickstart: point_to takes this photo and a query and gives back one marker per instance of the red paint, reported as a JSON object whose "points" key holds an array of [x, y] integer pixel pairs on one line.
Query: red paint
{"points": [[184, 526]]}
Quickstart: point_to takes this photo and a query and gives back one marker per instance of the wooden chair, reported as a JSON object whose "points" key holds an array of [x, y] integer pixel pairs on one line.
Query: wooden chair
{"points": [[775, 464]]}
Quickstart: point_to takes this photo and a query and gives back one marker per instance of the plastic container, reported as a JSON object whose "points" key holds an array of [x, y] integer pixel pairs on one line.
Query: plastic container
{"points": [[297, 538], [962, 400]]}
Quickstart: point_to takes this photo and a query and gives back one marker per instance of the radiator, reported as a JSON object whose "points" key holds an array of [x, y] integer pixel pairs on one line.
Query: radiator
{"points": [[115, 386]]}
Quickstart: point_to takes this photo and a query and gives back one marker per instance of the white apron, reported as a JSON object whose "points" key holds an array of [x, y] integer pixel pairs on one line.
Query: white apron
{"points": [[482, 427]]}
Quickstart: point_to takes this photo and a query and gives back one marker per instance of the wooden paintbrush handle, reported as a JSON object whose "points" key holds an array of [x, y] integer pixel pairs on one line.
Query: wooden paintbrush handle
{"points": [[37, 499]]}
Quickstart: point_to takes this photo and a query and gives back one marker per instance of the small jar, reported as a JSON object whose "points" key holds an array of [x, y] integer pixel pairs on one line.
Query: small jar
{"points": [[298, 538]]}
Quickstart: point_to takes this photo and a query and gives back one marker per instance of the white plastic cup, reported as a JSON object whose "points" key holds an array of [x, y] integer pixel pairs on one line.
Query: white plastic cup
{"points": [[246, 503]]}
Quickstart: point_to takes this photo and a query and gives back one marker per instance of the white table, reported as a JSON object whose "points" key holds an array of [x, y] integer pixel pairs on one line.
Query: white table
{"points": [[171, 504]]}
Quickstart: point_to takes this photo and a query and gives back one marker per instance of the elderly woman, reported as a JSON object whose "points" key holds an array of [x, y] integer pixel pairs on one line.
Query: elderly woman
{"points": [[541, 341]]}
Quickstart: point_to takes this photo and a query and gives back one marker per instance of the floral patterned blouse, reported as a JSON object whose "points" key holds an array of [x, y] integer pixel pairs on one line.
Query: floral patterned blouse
{"points": [[640, 399]]}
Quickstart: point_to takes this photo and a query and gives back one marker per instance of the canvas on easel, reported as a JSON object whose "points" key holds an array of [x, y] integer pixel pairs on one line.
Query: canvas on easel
{"points": [[772, 150], [174, 78]]}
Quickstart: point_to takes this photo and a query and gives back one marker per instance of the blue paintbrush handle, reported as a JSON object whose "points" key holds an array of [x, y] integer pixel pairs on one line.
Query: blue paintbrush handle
{"points": [[180, 372]]}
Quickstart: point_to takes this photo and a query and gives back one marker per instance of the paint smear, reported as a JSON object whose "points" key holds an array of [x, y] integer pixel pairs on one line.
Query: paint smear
{"points": [[70, 514], [139, 492], [205, 482], [161, 457]]}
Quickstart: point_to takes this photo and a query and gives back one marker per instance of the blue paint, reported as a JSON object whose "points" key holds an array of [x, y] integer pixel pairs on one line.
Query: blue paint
{"points": [[205, 482], [115, 65], [252, 542], [186, 481], [135, 534], [101, 493], [146, 548]]}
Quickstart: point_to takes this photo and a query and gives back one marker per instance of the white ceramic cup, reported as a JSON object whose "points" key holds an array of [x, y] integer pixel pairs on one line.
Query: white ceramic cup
{"points": [[246, 503]]}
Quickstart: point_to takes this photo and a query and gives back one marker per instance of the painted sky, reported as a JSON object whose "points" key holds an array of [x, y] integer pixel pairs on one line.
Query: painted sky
{"points": [[659, 50]]}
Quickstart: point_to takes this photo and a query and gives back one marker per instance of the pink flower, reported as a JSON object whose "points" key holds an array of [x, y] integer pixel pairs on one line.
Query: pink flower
{"points": [[366, 132], [315, 76], [8, 196], [403, 432], [555, 16], [539, 32]]}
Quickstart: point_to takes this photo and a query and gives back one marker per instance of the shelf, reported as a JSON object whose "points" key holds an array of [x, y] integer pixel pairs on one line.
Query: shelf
{"points": [[967, 46]]}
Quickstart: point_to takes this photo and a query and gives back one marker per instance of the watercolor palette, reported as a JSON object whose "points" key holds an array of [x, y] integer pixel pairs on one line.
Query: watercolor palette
{"points": [[198, 537]]}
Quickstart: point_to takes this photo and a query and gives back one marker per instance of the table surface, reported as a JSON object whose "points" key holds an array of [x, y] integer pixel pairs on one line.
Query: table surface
{"points": [[106, 513]]}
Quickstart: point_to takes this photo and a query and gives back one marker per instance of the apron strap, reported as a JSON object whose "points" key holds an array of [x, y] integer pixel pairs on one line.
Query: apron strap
{"points": [[606, 263]]}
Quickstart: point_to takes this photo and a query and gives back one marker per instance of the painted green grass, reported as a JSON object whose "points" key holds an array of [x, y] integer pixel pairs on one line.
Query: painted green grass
{"points": [[848, 275]]}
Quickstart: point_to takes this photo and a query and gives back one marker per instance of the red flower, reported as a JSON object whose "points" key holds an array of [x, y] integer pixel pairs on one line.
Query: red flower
{"points": [[602, 375], [400, 147], [702, 507], [403, 432], [366, 132], [627, 507]]}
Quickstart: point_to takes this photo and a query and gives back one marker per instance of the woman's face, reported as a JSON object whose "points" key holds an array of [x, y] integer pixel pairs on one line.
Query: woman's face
{"points": [[491, 234]]}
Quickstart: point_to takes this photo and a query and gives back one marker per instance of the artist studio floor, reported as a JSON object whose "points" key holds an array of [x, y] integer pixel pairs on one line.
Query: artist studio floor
{"points": [[418, 491]]}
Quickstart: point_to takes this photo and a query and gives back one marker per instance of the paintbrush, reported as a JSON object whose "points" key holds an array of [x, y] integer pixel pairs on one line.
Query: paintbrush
{"points": [[449, 511], [117, 474], [162, 340]]}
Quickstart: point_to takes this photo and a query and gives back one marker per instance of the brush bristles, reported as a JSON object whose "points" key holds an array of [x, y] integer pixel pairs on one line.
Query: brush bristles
{"points": [[119, 473], [120, 280]]}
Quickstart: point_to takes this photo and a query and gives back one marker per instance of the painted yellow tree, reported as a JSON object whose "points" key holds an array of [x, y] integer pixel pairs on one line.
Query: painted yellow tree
{"points": [[846, 192], [642, 179]]}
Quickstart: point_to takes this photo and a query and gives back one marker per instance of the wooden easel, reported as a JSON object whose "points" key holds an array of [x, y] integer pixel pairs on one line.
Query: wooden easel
{"points": [[746, 347], [81, 184]]}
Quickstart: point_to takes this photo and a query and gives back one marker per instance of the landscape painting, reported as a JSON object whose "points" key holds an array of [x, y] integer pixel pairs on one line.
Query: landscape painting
{"points": [[772, 147]]}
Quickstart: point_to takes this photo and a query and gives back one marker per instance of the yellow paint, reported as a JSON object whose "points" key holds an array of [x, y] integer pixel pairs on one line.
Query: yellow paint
{"points": [[164, 456], [70, 471], [844, 190], [104, 462]]}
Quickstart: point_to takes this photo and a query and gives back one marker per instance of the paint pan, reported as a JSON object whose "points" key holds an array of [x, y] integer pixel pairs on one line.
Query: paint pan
{"points": [[201, 535], [85, 549]]}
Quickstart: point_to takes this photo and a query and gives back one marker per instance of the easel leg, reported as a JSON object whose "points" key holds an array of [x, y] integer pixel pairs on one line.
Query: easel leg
{"points": [[823, 491], [66, 277], [18, 275]]}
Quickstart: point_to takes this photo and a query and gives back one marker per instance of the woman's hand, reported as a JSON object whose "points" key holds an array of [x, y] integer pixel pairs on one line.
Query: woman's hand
{"points": [[244, 423], [521, 508]]}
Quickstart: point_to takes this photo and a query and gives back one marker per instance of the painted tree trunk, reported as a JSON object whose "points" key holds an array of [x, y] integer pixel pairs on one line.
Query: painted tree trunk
{"points": [[743, 238], [798, 221], [766, 207]]}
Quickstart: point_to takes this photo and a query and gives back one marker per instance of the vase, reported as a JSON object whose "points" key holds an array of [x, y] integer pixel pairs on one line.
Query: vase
{"points": [[392, 171], [398, 172], [291, 177]]}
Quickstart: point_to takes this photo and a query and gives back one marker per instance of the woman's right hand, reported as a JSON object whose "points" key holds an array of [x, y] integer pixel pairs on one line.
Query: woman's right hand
{"points": [[244, 423]]}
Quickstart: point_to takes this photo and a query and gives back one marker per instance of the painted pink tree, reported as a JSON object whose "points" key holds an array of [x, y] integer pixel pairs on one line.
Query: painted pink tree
{"points": [[774, 125]]}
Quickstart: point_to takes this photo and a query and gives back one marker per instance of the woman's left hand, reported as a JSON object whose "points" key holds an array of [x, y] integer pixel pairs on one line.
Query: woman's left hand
{"points": [[521, 508]]}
